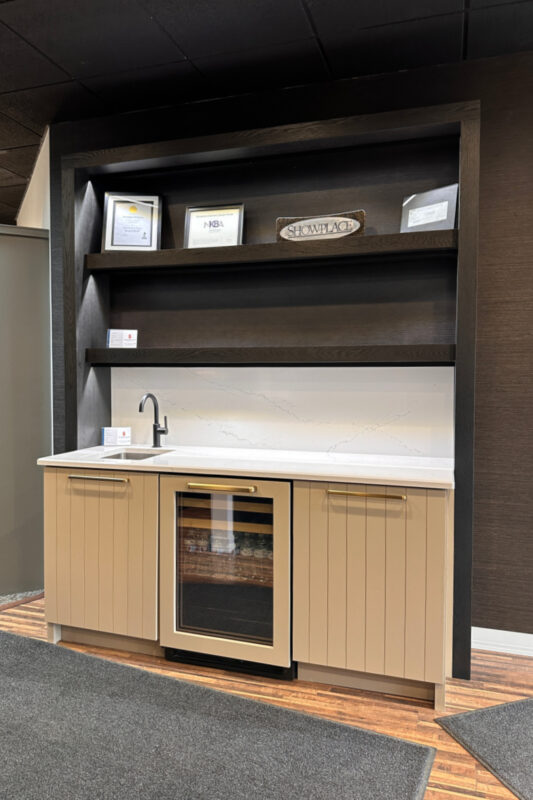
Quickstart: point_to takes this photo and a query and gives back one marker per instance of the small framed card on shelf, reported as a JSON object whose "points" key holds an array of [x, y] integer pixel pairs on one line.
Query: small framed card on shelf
{"points": [[131, 222], [430, 211], [214, 226]]}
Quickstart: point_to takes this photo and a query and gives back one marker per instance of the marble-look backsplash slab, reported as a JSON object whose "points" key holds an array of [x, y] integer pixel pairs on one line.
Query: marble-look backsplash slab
{"points": [[384, 410]]}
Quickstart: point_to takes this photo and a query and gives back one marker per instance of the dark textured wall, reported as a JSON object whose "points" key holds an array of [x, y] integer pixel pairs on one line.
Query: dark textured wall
{"points": [[503, 544]]}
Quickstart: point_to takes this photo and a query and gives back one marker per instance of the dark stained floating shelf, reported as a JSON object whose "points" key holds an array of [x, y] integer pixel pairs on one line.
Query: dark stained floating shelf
{"points": [[371, 246], [368, 355]]}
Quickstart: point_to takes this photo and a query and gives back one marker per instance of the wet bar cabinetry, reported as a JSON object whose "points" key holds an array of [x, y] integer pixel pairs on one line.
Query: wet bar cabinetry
{"points": [[383, 298], [351, 581]]}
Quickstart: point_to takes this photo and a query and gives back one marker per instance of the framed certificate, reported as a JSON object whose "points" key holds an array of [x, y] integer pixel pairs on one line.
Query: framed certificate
{"points": [[430, 211], [214, 226], [131, 222]]}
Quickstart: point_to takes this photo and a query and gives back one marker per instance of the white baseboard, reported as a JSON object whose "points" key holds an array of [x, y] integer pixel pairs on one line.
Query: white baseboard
{"points": [[520, 644]]}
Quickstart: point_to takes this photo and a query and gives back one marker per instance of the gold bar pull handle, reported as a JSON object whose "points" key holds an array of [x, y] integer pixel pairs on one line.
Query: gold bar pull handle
{"points": [[97, 478], [220, 487], [374, 495]]}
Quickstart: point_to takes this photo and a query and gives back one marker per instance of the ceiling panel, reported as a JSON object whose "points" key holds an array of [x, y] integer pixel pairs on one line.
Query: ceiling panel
{"points": [[499, 30], [10, 179], [341, 18], [210, 27], [433, 40], [19, 160], [91, 37], [7, 215], [279, 65], [35, 108], [12, 195], [151, 86], [484, 3], [21, 65], [13, 134]]}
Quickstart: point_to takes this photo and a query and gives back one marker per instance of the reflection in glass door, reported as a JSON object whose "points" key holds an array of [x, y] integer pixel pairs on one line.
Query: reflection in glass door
{"points": [[224, 566]]}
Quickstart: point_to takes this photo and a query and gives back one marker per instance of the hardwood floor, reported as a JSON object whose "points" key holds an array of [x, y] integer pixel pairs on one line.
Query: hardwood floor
{"points": [[496, 678]]}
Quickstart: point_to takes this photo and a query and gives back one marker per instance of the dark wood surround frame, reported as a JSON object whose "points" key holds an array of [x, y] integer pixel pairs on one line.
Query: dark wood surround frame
{"points": [[87, 274]]}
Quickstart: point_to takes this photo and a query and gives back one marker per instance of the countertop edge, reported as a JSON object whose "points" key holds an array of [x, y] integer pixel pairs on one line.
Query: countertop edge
{"points": [[392, 478]]}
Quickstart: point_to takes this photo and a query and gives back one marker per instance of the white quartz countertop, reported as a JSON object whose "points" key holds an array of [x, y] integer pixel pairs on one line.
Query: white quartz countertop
{"points": [[435, 473]]}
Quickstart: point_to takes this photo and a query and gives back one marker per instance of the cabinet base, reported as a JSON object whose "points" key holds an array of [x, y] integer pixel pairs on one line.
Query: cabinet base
{"points": [[232, 664], [384, 684], [111, 641]]}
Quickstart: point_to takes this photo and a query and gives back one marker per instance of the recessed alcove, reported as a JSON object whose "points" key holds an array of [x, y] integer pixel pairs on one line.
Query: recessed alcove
{"points": [[375, 178]]}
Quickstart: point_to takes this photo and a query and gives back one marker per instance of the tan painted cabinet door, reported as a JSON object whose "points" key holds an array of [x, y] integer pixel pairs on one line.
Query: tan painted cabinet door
{"points": [[369, 579], [101, 550]]}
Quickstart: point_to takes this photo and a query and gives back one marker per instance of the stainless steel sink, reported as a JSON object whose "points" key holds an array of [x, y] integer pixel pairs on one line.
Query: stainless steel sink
{"points": [[136, 455]]}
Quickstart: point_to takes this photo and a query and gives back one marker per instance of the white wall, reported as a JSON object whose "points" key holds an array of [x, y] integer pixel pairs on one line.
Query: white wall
{"points": [[395, 411], [34, 211], [520, 644]]}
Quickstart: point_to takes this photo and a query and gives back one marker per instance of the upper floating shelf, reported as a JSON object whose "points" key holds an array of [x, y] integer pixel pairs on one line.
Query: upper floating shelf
{"points": [[390, 244], [369, 355]]}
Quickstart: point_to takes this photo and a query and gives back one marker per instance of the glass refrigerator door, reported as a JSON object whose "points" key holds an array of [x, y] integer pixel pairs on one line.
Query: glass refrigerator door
{"points": [[224, 554], [225, 567]]}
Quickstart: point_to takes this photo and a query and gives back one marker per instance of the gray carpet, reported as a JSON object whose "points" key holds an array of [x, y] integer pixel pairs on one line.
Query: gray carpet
{"points": [[501, 738], [6, 599], [77, 727]]}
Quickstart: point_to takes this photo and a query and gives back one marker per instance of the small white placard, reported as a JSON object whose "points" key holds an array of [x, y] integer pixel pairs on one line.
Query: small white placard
{"points": [[121, 338], [114, 436], [426, 214]]}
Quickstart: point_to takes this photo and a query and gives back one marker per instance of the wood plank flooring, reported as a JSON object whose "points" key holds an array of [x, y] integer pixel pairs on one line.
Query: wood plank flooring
{"points": [[496, 678]]}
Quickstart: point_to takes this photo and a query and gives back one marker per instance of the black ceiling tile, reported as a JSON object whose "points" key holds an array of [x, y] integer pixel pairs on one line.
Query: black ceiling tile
{"points": [[19, 160], [433, 40], [21, 65], [279, 65], [14, 135], [208, 27], [499, 30], [7, 215], [36, 108], [485, 3], [91, 37], [151, 86], [8, 178], [341, 18], [12, 195]]}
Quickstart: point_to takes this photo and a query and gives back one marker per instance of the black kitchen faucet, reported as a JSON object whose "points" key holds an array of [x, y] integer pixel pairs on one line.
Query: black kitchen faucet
{"points": [[157, 428]]}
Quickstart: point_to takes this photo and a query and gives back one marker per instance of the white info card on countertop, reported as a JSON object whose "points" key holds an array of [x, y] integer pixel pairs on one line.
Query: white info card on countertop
{"points": [[114, 436]]}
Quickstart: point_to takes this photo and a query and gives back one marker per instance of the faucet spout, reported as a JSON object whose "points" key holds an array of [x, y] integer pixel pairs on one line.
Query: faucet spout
{"points": [[153, 398], [156, 427]]}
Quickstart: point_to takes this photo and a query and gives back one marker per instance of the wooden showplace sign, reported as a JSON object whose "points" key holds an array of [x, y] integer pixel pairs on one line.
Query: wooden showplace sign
{"points": [[308, 229]]}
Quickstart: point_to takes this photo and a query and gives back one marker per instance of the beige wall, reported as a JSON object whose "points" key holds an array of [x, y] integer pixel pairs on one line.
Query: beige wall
{"points": [[34, 211], [25, 403]]}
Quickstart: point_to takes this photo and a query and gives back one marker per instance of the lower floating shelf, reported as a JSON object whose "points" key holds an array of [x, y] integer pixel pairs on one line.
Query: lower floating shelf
{"points": [[366, 355]]}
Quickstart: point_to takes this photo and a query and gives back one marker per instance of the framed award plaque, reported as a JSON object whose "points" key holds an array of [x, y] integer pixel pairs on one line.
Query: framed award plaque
{"points": [[214, 226], [131, 222]]}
